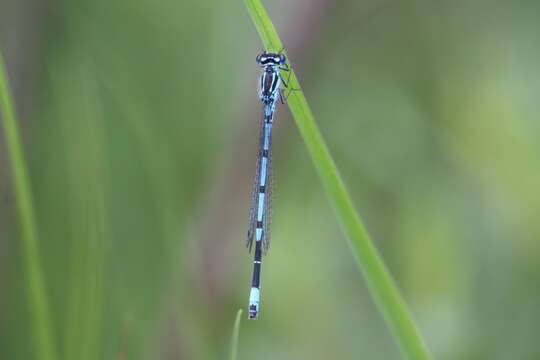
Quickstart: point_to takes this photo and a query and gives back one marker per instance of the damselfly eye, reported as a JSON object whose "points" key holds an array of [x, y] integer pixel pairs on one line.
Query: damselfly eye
{"points": [[282, 59], [258, 59]]}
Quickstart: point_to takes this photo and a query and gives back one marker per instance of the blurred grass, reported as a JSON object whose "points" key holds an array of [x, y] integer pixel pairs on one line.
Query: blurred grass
{"points": [[380, 282], [235, 335], [42, 329], [88, 257]]}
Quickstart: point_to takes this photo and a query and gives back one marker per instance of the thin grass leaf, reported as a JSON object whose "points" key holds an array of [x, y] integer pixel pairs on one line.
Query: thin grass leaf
{"points": [[37, 296], [380, 283], [235, 334]]}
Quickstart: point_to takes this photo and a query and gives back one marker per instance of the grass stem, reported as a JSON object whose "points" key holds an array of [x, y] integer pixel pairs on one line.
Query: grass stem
{"points": [[235, 335], [37, 298], [380, 283]]}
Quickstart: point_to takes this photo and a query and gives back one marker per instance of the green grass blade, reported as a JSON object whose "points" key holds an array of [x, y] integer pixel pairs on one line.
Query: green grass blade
{"points": [[37, 298], [381, 285], [235, 334]]}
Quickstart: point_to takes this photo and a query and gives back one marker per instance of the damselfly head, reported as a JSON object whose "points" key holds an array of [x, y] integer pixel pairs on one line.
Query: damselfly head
{"points": [[265, 59]]}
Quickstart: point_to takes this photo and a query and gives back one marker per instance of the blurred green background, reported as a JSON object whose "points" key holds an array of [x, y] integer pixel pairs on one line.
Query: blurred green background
{"points": [[140, 120]]}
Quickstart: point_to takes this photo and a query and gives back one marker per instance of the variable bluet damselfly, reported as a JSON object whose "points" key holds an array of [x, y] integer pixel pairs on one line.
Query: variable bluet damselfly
{"points": [[260, 215]]}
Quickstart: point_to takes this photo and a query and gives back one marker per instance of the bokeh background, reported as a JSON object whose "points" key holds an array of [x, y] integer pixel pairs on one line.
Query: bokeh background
{"points": [[140, 120]]}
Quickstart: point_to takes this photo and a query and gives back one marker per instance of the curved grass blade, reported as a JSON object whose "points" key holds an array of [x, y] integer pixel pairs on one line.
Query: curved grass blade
{"points": [[235, 334], [37, 297], [380, 283]]}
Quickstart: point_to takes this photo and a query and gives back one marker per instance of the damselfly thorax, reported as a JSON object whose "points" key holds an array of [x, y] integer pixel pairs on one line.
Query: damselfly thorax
{"points": [[270, 82]]}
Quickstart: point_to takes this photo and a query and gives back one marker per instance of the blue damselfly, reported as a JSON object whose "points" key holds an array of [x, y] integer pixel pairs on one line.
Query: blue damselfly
{"points": [[260, 215]]}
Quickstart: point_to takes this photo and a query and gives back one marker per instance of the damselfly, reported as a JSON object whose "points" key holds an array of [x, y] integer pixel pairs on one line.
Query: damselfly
{"points": [[260, 215]]}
